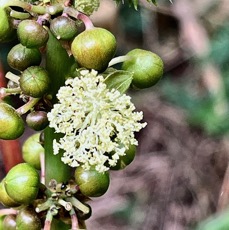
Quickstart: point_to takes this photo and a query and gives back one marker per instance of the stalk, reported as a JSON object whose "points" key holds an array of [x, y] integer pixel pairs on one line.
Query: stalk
{"points": [[58, 64]]}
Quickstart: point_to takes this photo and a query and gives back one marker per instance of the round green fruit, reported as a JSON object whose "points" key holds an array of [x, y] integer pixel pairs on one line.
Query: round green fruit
{"points": [[94, 48], [5, 199], [31, 34], [125, 160], [34, 81], [91, 182], [7, 32], [1, 222], [9, 222], [31, 150], [27, 219], [21, 57], [37, 120], [147, 68], [63, 28], [11, 123], [22, 183]]}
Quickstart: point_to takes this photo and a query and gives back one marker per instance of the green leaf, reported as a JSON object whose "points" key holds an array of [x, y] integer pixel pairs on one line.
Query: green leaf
{"points": [[119, 80]]}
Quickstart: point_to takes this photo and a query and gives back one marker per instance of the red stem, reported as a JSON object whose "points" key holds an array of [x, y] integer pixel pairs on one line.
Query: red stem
{"points": [[86, 20], [47, 225], [8, 211], [10, 150], [75, 225]]}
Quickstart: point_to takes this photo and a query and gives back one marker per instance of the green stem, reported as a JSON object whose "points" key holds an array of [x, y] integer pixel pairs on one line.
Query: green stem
{"points": [[29, 105], [38, 9], [79, 205], [57, 64], [54, 167], [26, 6], [119, 59], [12, 90], [19, 15], [13, 77]]}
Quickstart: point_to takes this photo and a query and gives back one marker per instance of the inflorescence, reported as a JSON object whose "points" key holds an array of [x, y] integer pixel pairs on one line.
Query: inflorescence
{"points": [[97, 124]]}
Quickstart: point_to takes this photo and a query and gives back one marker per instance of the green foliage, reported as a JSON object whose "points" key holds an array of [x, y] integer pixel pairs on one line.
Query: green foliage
{"points": [[119, 80], [216, 222], [201, 106]]}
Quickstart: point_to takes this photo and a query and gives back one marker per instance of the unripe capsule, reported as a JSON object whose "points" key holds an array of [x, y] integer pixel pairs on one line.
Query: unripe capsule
{"points": [[31, 150], [27, 219], [22, 183], [31, 34], [5, 199], [7, 32], [147, 68], [94, 48], [125, 160], [11, 123], [63, 28], [21, 57], [34, 81], [37, 120], [9, 222], [91, 182]]}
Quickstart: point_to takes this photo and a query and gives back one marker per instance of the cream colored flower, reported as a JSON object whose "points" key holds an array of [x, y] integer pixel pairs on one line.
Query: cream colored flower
{"points": [[98, 124]]}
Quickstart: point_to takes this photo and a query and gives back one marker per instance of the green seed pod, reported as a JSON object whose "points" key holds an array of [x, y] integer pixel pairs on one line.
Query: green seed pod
{"points": [[34, 81], [31, 150], [1, 222], [94, 48], [37, 120], [125, 160], [11, 123], [31, 34], [147, 68], [21, 57], [22, 183], [63, 28], [27, 219], [91, 182], [5, 199], [9, 222], [7, 32]]}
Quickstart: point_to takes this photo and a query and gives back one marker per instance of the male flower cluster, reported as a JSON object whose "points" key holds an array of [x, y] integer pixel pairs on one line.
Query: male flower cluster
{"points": [[97, 124]]}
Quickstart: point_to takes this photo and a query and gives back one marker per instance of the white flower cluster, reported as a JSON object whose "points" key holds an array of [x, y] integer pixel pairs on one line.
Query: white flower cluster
{"points": [[98, 124]]}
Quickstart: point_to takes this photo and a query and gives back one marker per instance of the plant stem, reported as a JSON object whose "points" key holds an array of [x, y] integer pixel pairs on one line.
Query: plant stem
{"points": [[26, 6], [8, 211], [119, 59], [10, 90], [75, 224], [29, 105], [79, 205], [10, 149], [54, 167], [58, 64], [42, 162], [84, 18], [19, 15], [13, 77], [38, 9]]}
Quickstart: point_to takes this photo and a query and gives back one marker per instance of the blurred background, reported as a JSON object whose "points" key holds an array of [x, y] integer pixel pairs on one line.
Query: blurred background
{"points": [[179, 176]]}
